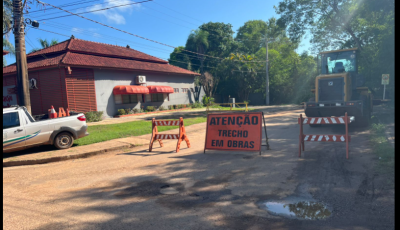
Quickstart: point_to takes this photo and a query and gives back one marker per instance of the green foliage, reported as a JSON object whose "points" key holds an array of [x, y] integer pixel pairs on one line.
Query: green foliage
{"points": [[128, 111], [150, 108], [197, 105], [44, 44], [94, 116], [121, 112], [207, 100], [135, 110], [161, 108]]}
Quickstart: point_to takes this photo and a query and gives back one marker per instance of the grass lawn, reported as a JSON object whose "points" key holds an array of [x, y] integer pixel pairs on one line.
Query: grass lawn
{"points": [[100, 133]]}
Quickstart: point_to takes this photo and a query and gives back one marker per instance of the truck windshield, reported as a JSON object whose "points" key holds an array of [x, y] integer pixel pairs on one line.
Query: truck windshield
{"points": [[338, 62]]}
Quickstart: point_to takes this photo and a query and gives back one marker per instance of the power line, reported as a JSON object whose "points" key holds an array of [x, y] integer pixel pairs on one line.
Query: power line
{"points": [[135, 34], [91, 11], [64, 5], [147, 48]]}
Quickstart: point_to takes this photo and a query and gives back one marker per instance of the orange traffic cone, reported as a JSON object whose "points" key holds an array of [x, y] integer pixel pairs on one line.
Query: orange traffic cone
{"points": [[53, 113], [67, 111]]}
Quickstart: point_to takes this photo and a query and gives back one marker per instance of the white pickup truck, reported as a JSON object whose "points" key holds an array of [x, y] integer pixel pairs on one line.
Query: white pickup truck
{"points": [[21, 131]]}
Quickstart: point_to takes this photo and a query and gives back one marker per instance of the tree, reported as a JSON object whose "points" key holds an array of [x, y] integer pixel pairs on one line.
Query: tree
{"points": [[44, 44], [180, 58], [209, 83], [198, 42], [7, 16], [8, 47]]}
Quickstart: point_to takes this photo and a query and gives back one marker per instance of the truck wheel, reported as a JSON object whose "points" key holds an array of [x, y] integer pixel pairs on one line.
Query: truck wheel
{"points": [[63, 140]]}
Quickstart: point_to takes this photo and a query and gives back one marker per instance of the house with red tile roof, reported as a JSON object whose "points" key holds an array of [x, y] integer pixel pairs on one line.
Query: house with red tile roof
{"points": [[90, 76]]}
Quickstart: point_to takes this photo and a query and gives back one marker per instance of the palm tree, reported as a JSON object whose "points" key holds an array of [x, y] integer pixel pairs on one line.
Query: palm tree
{"points": [[44, 43], [7, 16], [198, 42], [8, 47]]}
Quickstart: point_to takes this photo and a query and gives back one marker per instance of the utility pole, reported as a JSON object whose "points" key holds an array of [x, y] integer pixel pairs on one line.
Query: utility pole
{"points": [[267, 81], [20, 54]]}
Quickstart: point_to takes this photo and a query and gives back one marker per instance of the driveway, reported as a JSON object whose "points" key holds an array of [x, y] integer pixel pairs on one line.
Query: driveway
{"points": [[217, 190]]}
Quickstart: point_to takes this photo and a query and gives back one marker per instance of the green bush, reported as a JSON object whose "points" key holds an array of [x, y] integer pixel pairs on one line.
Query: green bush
{"points": [[135, 110], [150, 108], [208, 101], [94, 116], [128, 111], [121, 112], [197, 105], [170, 107], [161, 108]]}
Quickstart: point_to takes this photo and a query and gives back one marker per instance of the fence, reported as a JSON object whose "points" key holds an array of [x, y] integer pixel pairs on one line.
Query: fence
{"points": [[246, 109]]}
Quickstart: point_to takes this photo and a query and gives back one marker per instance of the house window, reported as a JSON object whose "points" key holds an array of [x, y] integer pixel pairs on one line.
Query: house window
{"points": [[176, 90], [126, 99], [184, 90], [157, 97]]}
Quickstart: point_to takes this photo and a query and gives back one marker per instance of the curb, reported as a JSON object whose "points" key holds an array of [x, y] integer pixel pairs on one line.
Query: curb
{"points": [[63, 158]]}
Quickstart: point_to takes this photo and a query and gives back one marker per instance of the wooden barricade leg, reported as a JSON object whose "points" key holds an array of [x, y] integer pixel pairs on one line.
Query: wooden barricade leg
{"points": [[159, 140], [178, 144], [184, 136], [346, 121], [301, 135], [153, 133]]}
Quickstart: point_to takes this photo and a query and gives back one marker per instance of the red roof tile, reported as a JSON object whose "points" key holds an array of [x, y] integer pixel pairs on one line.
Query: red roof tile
{"points": [[97, 61], [62, 46], [109, 50], [53, 60], [102, 49]]}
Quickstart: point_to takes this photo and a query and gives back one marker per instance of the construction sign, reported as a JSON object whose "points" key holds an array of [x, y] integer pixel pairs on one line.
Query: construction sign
{"points": [[385, 79], [234, 131]]}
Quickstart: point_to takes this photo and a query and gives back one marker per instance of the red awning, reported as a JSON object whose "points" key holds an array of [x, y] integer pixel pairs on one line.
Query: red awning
{"points": [[160, 89], [130, 89]]}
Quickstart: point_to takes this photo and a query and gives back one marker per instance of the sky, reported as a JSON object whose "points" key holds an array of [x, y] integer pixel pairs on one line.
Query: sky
{"points": [[165, 21]]}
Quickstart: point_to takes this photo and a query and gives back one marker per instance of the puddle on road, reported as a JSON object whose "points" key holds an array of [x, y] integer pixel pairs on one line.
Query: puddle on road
{"points": [[302, 210]]}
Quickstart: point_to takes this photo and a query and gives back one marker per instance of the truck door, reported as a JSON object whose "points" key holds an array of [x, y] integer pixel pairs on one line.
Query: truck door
{"points": [[13, 131], [39, 131]]}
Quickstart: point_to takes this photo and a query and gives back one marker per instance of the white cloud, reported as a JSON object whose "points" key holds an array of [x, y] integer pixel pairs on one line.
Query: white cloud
{"points": [[114, 15]]}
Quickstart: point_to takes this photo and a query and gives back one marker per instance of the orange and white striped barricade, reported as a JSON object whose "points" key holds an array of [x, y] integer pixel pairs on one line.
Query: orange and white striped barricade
{"points": [[159, 137], [346, 120], [61, 112]]}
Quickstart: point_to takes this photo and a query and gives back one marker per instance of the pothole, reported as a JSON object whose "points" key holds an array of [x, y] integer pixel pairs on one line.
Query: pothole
{"points": [[308, 210]]}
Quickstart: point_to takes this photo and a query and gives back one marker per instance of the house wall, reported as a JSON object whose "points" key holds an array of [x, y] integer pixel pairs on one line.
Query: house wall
{"points": [[50, 90], [106, 80], [80, 89]]}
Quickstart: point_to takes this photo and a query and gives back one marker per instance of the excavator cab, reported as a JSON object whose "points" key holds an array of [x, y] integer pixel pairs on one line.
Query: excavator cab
{"points": [[339, 87]]}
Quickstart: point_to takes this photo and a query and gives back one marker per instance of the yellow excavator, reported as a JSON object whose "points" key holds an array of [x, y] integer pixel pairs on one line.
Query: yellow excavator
{"points": [[339, 88]]}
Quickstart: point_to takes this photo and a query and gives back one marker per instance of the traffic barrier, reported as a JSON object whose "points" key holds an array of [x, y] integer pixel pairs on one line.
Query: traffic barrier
{"points": [[61, 112], [328, 137], [159, 137], [52, 113], [235, 131]]}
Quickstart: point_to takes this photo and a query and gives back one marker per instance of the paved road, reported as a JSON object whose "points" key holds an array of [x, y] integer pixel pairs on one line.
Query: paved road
{"points": [[216, 190]]}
